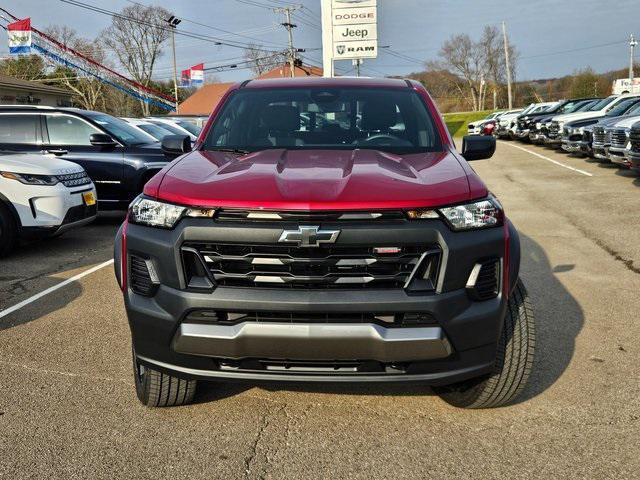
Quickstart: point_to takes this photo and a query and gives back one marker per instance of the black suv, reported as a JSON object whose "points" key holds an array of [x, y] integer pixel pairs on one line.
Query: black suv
{"points": [[118, 158]]}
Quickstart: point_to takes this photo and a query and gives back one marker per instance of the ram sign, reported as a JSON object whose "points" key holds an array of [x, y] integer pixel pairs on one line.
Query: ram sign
{"points": [[349, 31]]}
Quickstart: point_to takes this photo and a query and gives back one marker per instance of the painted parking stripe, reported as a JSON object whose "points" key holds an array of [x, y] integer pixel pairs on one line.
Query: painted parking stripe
{"points": [[560, 164], [37, 296]]}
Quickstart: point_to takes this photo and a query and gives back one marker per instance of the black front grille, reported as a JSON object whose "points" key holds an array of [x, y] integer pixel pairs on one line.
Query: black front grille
{"points": [[634, 138], [329, 266], [618, 138], [139, 276], [600, 136], [233, 318], [554, 130], [74, 179], [80, 212]]}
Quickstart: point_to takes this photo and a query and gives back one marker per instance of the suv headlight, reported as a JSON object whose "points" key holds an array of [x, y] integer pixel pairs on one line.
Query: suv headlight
{"points": [[29, 179], [145, 211], [468, 216]]}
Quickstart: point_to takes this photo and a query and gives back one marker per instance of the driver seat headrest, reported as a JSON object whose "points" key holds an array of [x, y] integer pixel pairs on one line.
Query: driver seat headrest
{"points": [[379, 115], [281, 118]]}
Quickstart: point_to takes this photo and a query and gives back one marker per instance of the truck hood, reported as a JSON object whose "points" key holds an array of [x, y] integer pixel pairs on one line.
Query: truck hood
{"points": [[317, 179], [626, 122], [37, 164], [572, 117]]}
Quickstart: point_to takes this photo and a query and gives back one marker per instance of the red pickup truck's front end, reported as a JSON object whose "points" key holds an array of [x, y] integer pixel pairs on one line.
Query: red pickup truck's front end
{"points": [[324, 230]]}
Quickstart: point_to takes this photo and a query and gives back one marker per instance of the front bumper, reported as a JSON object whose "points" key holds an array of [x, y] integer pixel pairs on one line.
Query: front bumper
{"points": [[618, 155], [575, 146], [54, 210], [459, 342]]}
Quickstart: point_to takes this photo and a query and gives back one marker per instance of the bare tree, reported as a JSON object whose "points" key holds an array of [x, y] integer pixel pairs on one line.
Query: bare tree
{"points": [[479, 65], [465, 58], [136, 36], [261, 61], [89, 91]]}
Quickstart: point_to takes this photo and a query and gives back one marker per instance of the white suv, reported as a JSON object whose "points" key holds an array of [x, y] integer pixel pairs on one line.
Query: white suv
{"points": [[42, 196]]}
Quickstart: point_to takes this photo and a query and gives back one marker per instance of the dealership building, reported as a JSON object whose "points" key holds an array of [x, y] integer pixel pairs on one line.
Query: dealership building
{"points": [[206, 98], [14, 91]]}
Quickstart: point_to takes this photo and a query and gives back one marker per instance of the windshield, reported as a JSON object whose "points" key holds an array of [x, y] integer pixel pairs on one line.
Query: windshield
{"points": [[120, 129], [622, 107], [167, 126], [572, 106], [635, 109], [156, 131], [603, 103], [189, 127], [392, 120], [586, 106]]}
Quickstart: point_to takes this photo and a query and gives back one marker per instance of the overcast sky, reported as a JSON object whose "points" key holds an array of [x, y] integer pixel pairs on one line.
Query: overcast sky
{"points": [[543, 30]]}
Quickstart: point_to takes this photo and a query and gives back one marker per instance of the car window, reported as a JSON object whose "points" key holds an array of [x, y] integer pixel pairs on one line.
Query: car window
{"points": [[119, 129], [394, 120], [19, 129], [167, 126], [189, 127], [156, 131], [68, 130]]}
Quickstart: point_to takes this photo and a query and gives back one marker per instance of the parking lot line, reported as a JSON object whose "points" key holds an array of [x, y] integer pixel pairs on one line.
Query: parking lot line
{"points": [[37, 296], [560, 164]]}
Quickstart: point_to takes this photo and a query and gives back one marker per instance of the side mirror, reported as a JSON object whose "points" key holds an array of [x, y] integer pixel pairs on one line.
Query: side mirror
{"points": [[174, 145], [478, 147], [102, 140]]}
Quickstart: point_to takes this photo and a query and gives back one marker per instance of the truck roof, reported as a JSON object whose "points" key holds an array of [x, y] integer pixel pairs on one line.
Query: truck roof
{"points": [[356, 82]]}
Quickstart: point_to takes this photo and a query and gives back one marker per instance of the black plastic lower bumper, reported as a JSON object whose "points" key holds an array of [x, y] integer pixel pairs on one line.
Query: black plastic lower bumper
{"points": [[464, 346]]}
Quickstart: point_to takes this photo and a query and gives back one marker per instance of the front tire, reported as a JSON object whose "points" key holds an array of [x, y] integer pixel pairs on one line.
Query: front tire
{"points": [[514, 359], [8, 231], [158, 389]]}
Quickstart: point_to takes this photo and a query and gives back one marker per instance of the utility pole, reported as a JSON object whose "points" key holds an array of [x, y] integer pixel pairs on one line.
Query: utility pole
{"points": [[357, 62], [290, 26], [632, 45], [173, 23], [506, 59]]}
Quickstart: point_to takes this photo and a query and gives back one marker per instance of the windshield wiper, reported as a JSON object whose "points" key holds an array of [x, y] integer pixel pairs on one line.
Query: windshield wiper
{"points": [[230, 150]]}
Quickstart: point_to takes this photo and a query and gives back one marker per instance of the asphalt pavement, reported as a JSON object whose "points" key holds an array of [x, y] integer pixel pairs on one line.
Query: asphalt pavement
{"points": [[68, 407]]}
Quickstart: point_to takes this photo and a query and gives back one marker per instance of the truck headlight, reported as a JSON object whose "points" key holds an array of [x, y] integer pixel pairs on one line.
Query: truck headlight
{"points": [[152, 213], [29, 179], [468, 216], [471, 216]]}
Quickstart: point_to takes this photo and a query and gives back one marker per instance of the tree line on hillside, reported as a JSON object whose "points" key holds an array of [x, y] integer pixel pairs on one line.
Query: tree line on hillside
{"points": [[470, 75]]}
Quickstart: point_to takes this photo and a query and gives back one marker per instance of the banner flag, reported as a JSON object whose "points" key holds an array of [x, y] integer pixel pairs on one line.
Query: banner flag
{"points": [[19, 37], [192, 77]]}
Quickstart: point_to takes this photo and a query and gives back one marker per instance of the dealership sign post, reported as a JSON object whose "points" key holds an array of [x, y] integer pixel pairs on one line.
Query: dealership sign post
{"points": [[349, 31]]}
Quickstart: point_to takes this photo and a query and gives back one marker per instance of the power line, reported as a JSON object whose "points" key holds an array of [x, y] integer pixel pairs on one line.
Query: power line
{"points": [[229, 33], [184, 33]]}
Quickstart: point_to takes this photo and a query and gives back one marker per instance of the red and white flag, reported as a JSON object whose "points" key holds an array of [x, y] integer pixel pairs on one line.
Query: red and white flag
{"points": [[19, 37]]}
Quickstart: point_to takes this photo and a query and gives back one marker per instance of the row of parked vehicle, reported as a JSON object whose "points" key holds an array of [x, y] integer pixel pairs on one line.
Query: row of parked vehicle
{"points": [[607, 129], [59, 165]]}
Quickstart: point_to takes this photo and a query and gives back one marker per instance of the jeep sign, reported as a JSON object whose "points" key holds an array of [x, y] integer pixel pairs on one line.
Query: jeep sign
{"points": [[349, 31]]}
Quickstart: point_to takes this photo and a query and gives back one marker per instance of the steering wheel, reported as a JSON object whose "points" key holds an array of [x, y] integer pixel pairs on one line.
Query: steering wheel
{"points": [[382, 139]]}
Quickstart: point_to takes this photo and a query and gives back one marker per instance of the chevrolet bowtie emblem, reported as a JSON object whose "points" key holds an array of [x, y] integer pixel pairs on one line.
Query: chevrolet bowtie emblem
{"points": [[309, 236]]}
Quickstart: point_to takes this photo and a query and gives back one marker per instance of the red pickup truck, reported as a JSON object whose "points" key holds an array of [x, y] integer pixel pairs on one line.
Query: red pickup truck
{"points": [[324, 230]]}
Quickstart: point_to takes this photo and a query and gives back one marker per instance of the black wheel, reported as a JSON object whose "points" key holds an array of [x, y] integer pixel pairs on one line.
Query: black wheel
{"points": [[513, 362], [158, 389], [8, 231]]}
